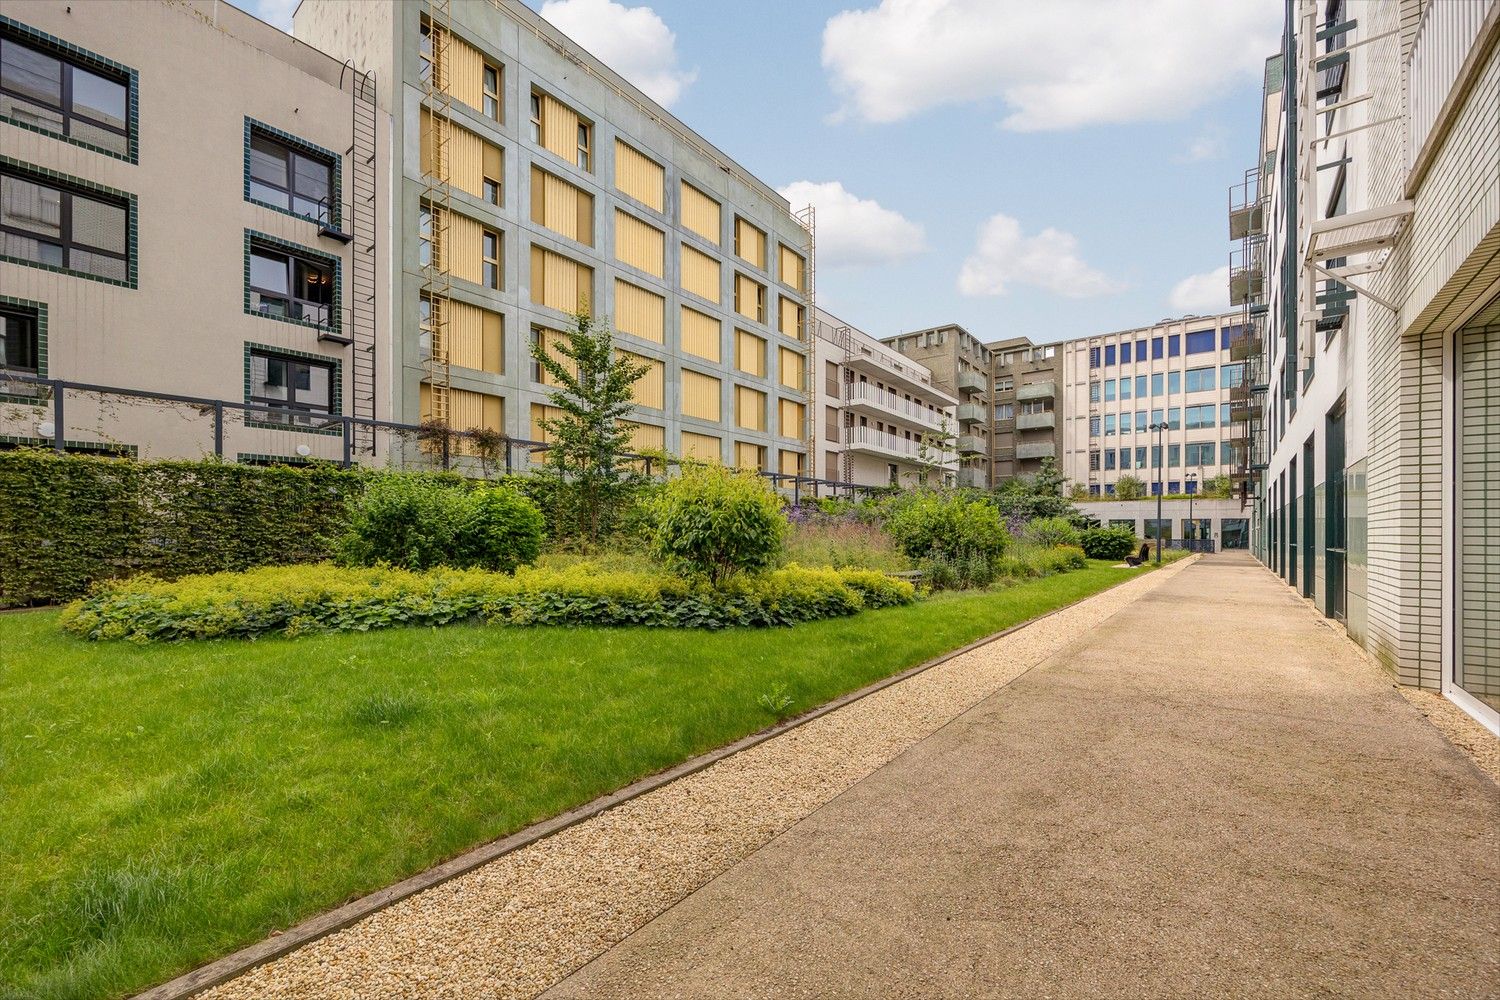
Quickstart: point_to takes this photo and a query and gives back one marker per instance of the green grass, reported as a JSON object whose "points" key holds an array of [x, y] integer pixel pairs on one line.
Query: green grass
{"points": [[162, 805]]}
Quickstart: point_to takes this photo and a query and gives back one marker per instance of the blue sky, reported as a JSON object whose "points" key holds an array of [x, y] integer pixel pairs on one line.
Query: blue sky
{"points": [[1023, 168]]}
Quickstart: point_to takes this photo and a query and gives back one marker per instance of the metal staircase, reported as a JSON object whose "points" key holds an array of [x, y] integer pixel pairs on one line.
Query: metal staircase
{"points": [[437, 201]]}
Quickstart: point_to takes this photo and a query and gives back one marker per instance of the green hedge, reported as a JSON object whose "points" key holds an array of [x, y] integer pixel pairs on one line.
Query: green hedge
{"points": [[293, 600]]}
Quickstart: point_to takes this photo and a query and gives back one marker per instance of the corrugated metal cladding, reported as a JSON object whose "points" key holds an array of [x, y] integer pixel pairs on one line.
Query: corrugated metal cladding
{"points": [[792, 463], [791, 369], [559, 282], [639, 245], [700, 213], [701, 396], [466, 411], [701, 334], [561, 207], [749, 456], [460, 245], [790, 417], [539, 413], [639, 312], [559, 128], [700, 274], [749, 298], [471, 160], [639, 176], [645, 436], [650, 389], [703, 447], [475, 337], [792, 269], [750, 243], [749, 353], [465, 69], [789, 320], [549, 340], [749, 408]]}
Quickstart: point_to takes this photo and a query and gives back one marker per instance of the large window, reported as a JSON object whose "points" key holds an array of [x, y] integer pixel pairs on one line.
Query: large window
{"points": [[1199, 341], [289, 178], [1201, 416], [1109, 354], [1109, 390], [1233, 375], [286, 285], [45, 223], [1158, 384], [1201, 453], [1200, 379], [300, 387], [56, 94], [18, 339]]}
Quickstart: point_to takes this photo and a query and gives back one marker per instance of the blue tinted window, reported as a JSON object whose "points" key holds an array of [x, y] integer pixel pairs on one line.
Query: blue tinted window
{"points": [[1155, 348], [1125, 353], [1124, 458], [1109, 354], [1174, 345], [1201, 379], [1174, 419], [1125, 384], [1109, 425], [1228, 334], [1109, 390], [1173, 486], [1094, 490], [1192, 486], [1156, 416], [1140, 350], [1226, 419], [1156, 384], [1199, 341], [1140, 458], [1109, 489], [1140, 384], [1174, 382], [1109, 459], [1140, 421]]}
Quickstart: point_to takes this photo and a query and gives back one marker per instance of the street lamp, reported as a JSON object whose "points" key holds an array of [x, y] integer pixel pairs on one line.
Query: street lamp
{"points": [[1159, 456], [1192, 478]]}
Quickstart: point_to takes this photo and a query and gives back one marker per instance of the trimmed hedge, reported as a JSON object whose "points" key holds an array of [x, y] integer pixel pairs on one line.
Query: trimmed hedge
{"points": [[1108, 543], [296, 600]]}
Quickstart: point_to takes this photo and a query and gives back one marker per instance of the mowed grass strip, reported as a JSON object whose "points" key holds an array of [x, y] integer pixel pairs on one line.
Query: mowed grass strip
{"points": [[162, 805]]}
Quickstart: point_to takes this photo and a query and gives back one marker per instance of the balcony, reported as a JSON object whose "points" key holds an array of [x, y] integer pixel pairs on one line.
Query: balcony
{"points": [[971, 413], [1036, 390], [864, 397], [970, 444], [1041, 449], [1247, 215], [974, 478], [890, 445], [1036, 421], [971, 381]]}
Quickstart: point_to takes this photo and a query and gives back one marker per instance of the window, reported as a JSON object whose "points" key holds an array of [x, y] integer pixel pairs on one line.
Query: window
{"points": [[1109, 425], [1158, 387], [490, 242], [1094, 461], [536, 117], [1109, 459], [1200, 453], [1156, 416], [1036, 406], [749, 243], [291, 179], [1230, 454], [1093, 427], [1174, 419], [1005, 411], [1174, 345], [492, 191], [53, 225], [286, 285], [585, 146], [1125, 384], [1225, 417], [491, 92], [1174, 486], [1109, 354], [1109, 390], [1094, 392], [1093, 357], [1200, 379], [1125, 353], [1200, 341], [1140, 421], [1140, 350], [54, 94], [1006, 384], [1156, 456], [424, 236], [1174, 458], [1232, 376], [1124, 458], [1109, 490], [18, 339], [1043, 353], [1140, 458], [1228, 334], [1174, 383], [1156, 349], [1200, 416], [749, 298], [298, 388], [1140, 386]]}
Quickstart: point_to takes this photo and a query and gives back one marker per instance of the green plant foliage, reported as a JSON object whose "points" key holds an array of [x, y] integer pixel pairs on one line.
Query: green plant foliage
{"points": [[714, 521], [1107, 543], [1032, 561], [1050, 531], [499, 530], [418, 522], [1041, 495], [1130, 488], [841, 542], [947, 526], [300, 600]]}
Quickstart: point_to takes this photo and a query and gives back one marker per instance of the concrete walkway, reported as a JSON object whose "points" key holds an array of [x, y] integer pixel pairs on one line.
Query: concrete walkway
{"points": [[1210, 794]]}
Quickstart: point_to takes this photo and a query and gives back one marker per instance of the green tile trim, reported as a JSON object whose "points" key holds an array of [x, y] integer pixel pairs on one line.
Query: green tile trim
{"points": [[132, 220], [287, 352], [252, 458], [336, 205], [40, 308], [73, 53], [92, 447], [336, 327]]}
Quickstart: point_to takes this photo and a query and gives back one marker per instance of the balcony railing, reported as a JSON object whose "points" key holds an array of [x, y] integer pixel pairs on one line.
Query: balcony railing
{"points": [[1035, 421], [970, 444], [971, 381], [865, 394], [972, 477], [1036, 390], [885, 443], [971, 413], [1040, 449]]}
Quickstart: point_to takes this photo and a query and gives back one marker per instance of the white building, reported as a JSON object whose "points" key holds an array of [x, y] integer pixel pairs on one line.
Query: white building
{"points": [[880, 419]]}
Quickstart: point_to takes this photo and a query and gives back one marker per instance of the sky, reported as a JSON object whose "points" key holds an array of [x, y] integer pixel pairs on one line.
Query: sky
{"points": [[1039, 168]]}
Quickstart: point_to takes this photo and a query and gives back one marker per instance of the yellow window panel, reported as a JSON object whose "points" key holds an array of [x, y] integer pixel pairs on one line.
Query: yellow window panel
{"points": [[749, 456], [700, 213], [790, 418], [639, 313], [701, 396], [791, 316], [639, 176], [792, 462], [638, 244], [474, 337], [749, 243], [466, 73], [650, 389], [791, 369], [559, 282], [702, 447], [749, 353], [562, 207], [792, 268], [539, 413], [700, 274], [549, 340], [749, 298], [462, 248], [749, 408], [645, 437], [700, 334], [466, 411], [559, 128]]}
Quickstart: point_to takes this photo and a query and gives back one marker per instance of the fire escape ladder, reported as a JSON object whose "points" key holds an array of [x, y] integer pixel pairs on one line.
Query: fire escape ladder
{"points": [[363, 230]]}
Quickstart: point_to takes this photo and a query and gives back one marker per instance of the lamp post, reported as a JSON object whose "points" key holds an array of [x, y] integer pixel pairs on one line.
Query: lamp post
{"points": [[1160, 457], [1192, 478]]}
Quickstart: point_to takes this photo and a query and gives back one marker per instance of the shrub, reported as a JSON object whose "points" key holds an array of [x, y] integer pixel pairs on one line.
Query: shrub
{"points": [[296, 600], [1130, 488], [499, 529], [714, 521], [1050, 531], [1107, 543], [934, 525], [840, 542], [421, 522]]}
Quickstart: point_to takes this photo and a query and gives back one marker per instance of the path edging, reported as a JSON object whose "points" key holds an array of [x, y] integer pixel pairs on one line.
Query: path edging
{"points": [[237, 963]]}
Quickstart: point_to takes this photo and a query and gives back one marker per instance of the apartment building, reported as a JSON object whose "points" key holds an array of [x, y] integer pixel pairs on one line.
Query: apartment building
{"points": [[1373, 227], [1119, 387], [880, 418], [960, 366], [189, 202], [1027, 419], [534, 181]]}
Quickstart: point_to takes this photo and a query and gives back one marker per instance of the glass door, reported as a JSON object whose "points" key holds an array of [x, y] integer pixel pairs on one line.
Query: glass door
{"points": [[1476, 659], [1335, 514]]}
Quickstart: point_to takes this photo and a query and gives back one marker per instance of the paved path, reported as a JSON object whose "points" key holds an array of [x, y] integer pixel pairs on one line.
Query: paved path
{"points": [[1208, 795]]}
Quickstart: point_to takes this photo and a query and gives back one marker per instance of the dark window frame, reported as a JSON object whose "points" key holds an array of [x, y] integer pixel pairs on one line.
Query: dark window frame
{"points": [[29, 315], [64, 241], [259, 246], [295, 415], [71, 59], [291, 148]]}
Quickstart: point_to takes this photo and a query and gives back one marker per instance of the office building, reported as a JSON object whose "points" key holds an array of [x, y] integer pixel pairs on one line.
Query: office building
{"points": [[879, 417], [1369, 264], [960, 366]]}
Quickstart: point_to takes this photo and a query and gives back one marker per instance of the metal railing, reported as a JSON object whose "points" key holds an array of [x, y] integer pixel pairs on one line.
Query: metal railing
{"points": [[864, 392]]}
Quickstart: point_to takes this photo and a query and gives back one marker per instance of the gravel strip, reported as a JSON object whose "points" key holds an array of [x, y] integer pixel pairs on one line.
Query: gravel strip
{"points": [[1461, 729], [515, 926]]}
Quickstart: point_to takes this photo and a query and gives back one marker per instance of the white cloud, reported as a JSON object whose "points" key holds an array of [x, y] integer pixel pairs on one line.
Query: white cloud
{"points": [[1056, 64], [1004, 256], [1210, 145], [633, 41], [1202, 293], [855, 231]]}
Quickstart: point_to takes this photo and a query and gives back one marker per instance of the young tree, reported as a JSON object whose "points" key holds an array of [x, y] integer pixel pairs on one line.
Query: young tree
{"points": [[1130, 488], [592, 388], [933, 447]]}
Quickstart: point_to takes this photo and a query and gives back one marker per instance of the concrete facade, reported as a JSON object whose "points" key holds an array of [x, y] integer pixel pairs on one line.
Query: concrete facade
{"points": [[1225, 522], [1378, 486], [879, 417], [960, 366], [129, 230], [1027, 415]]}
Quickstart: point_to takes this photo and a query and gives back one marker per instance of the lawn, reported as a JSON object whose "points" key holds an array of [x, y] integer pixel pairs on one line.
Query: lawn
{"points": [[162, 805]]}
